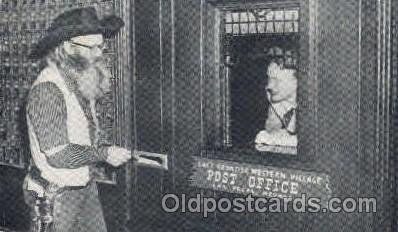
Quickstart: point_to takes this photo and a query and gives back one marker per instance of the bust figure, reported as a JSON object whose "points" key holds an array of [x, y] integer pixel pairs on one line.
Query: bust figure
{"points": [[280, 124]]}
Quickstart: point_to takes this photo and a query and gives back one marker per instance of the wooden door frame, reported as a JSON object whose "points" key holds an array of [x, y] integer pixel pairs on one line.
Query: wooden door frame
{"points": [[378, 69], [307, 89]]}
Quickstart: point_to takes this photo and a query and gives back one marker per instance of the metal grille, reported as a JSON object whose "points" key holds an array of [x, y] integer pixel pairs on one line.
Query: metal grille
{"points": [[262, 21]]}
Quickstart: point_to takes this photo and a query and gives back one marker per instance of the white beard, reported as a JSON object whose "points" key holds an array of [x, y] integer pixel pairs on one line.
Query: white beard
{"points": [[94, 82]]}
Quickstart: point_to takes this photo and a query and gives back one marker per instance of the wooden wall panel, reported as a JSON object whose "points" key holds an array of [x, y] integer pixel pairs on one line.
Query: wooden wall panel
{"points": [[187, 100], [338, 94], [394, 93], [342, 45], [338, 83], [187, 104], [148, 182], [368, 59], [148, 112]]}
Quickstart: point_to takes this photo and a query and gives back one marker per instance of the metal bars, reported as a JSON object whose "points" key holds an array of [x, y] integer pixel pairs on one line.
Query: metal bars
{"points": [[262, 21]]}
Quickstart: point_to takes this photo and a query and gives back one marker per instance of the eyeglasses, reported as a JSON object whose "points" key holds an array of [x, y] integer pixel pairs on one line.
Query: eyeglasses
{"points": [[99, 46]]}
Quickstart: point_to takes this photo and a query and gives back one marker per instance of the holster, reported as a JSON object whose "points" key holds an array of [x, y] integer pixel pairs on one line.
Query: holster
{"points": [[43, 219], [43, 195]]}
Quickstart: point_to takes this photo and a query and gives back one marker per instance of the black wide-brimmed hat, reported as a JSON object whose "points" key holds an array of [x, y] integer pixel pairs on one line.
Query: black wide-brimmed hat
{"points": [[76, 22]]}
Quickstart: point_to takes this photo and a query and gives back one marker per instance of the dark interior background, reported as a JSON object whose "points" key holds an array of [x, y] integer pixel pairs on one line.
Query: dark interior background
{"points": [[248, 78]]}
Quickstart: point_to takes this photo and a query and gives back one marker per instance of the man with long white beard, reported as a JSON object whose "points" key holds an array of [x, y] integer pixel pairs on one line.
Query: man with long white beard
{"points": [[63, 126]]}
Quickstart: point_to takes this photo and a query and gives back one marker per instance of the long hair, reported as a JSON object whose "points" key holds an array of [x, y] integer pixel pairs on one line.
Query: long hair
{"points": [[74, 65]]}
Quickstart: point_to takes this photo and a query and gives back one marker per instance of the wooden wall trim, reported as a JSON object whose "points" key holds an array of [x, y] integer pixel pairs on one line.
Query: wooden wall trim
{"points": [[312, 74], [383, 171], [377, 110], [131, 170], [173, 91], [383, 156], [394, 110]]}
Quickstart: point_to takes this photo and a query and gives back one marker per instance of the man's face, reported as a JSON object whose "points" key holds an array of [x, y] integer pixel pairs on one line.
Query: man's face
{"points": [[282, 84], [85, 55]]}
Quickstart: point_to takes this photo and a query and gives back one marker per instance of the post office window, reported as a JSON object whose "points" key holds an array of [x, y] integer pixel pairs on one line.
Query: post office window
{"points": [[262, 59]]}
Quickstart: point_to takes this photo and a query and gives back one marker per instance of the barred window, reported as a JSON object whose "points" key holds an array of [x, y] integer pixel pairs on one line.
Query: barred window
{"points": [[262, 21], [261, 47]]}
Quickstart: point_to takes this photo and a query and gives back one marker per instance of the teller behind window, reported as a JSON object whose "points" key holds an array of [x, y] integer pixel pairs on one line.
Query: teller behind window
{"points": [[280, 124]]}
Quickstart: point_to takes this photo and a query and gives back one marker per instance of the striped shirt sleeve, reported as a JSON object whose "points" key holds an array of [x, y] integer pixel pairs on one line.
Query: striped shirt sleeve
{"points": [[47, 111]]}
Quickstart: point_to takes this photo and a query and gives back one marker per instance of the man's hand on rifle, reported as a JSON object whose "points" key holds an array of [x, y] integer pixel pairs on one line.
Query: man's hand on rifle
{"points": [[118, 156]]}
